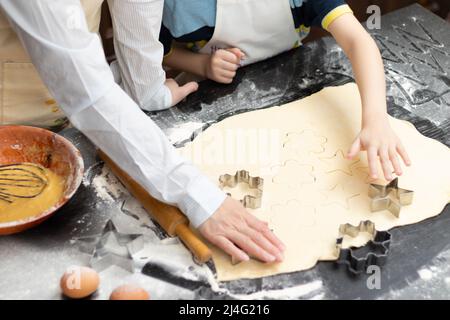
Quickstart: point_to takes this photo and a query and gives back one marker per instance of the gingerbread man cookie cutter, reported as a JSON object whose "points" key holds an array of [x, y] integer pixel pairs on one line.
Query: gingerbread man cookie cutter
{"points": [[389, 197], [243, 176]]}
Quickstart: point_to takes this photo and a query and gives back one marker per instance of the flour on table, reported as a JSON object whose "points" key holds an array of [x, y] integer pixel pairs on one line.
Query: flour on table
{"points": [[107, 186]]}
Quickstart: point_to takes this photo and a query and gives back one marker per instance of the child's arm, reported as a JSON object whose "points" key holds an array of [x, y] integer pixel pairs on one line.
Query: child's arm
{"points": [[376, 136], [221, 66]]}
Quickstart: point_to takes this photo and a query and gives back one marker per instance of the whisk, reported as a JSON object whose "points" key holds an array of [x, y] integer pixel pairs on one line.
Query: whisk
{"points": [[21, 181]]}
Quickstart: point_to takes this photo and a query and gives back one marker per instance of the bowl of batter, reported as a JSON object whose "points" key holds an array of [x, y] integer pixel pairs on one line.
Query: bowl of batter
{"points": [[39, 172]]}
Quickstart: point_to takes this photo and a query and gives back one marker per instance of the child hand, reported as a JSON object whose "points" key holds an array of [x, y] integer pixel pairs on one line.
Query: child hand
{"points": [[180, 92], [379, 140], [223, 64]]}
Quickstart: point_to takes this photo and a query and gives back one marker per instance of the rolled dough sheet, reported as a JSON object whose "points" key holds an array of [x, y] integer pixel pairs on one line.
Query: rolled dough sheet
{"points": [[309, 188]]}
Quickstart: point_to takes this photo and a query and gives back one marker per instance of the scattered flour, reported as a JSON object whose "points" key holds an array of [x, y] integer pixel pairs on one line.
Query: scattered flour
{"points": [[447, 281], [176, 259], [170, 253], [183, 131], [287, 293], [432, 282], [107, 186], [425, 274]]}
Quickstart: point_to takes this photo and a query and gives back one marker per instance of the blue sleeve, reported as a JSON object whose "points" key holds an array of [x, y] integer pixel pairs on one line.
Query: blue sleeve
{"points": [[320, 13]]}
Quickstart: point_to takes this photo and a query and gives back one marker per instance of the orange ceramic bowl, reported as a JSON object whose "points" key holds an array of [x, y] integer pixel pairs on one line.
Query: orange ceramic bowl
{"points": [[34, 145]]}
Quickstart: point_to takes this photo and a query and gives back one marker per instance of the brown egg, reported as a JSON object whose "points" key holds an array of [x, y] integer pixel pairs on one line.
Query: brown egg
{"points": [[129, 292], [79, 282]]}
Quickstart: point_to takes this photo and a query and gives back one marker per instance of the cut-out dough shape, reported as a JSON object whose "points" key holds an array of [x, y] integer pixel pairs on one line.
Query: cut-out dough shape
{"points": [[293, 174], [363, 174], [327, 181], [357, 185], [305, 142], [311, 196], [308, 194], [334, 113], [339, 163], [337, 195]]}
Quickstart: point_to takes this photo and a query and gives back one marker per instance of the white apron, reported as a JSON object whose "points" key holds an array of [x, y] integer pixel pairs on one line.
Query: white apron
{"points": [[24, 99], [260, 28]]}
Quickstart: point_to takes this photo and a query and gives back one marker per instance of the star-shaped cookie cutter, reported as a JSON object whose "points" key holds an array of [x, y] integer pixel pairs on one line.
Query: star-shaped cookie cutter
{"points": [[381, 199], [377, 248], [243, 176]]}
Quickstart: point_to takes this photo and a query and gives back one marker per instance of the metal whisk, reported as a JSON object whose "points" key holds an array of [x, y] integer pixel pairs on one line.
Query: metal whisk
{"points": [[21, 181]]}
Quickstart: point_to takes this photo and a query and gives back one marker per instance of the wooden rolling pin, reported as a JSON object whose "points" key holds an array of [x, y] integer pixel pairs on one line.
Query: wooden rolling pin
{"points": [[168, 217]]}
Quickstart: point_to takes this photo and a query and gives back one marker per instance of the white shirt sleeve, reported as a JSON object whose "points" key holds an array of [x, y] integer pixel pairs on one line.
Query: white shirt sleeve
{"points": [[71, 63], [136, 25]]}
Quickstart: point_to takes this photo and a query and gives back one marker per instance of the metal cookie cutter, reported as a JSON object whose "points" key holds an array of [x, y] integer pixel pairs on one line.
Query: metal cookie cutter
{"points": [[376, 250], [256, 183], [381, 199]]}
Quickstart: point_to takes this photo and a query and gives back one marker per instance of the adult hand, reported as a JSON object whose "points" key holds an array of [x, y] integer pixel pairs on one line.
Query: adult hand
{"points": [[233, 229], [179, 93]]}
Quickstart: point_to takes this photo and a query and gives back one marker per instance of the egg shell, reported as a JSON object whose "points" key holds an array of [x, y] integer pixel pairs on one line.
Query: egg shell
{"points": [[79, 282], [129, 292]]}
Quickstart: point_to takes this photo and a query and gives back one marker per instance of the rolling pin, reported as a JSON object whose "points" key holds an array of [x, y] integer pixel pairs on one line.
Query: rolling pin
{"points": [[170, 218]]}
